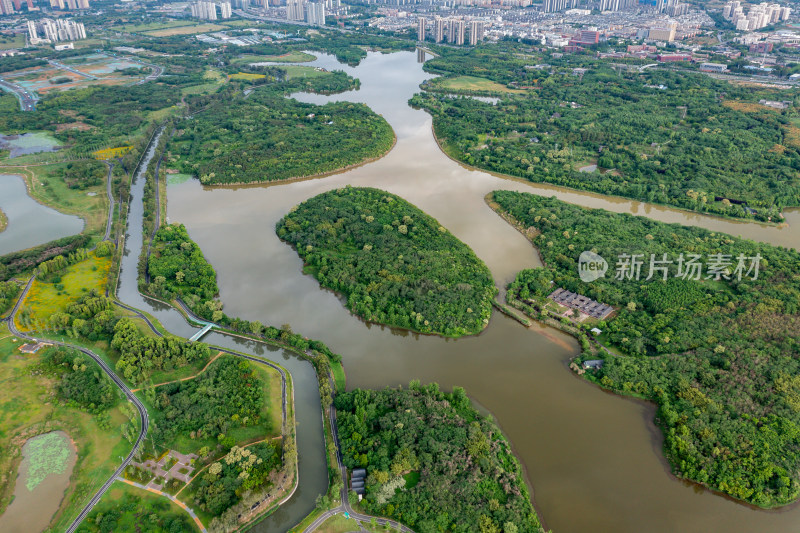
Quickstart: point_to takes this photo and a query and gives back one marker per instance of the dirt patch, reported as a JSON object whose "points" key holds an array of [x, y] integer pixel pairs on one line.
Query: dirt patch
{"points": [[746, 107], [792, 135], [80, 126]]}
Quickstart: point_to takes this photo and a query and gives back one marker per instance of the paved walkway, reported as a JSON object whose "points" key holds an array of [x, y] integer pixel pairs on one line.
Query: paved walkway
{"points": [[175, 500]]}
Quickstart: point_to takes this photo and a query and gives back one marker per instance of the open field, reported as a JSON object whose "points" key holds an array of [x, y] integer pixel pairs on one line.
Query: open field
{"points": [[136, 510], [297, 71], [45, 299], [185, 30], [8, 42], [291, 57], [52, 78], [46, 185], [153, 26], [472, 83], [28, 407], [247, 76]]}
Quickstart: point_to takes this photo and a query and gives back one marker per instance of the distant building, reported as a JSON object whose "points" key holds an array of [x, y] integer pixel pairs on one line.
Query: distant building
{"points": [[593, 364], [664, 32], [669, 58], [475, 32], [421, 29], [295, 9], [225, 10], [315, 13], [204, 10], [439, 29], [713, 67], [53, 31], [460, 29], [761, 48]]}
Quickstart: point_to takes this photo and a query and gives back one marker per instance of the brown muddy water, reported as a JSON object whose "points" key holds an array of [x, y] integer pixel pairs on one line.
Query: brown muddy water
{"points": [[36, 501], [593, 459]]}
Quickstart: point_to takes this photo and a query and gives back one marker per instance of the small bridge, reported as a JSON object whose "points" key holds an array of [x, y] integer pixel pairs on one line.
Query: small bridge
{"points": [[199, 335]]}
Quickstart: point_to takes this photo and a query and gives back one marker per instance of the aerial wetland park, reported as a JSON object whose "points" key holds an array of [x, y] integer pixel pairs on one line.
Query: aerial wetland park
{"points": [[272, 275]]}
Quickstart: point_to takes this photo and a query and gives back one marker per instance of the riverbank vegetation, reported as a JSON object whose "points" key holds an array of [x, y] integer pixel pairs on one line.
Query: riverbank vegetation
{"points": [[676, 138], [98, 423], [268, 137], [718, 355], [3, 221], [395, 264], [433, 462]]}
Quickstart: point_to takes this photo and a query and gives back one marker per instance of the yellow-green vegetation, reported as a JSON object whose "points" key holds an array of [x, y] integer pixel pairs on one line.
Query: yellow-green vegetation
{"points": [[473, 84], [214, 79], [290, 57], [128, 508], [58, 186], [3, 221], [48, 297], [29, 406], [184, 30], [247, 76]]}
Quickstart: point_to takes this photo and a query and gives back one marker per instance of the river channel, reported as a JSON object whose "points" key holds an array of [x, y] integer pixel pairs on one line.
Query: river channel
{"points": [[593, 459], [313, 478]]}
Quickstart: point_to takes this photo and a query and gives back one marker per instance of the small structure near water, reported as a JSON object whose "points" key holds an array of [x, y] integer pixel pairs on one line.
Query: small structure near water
{"points": [[584, 304]]}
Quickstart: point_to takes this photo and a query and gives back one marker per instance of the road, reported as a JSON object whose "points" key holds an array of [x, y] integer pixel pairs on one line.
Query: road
{"points": [[110, 220], [145, 419], [27, 100]]}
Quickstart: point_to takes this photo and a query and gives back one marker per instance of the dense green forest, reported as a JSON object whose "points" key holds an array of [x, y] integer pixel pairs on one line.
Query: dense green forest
{"points": [[267, 137], [241, 470], [668, 137], [141, 355], [433, 462], [8, 292], [177, 268], [721, 357], [227, 395], [396, 265], [80, 382]]}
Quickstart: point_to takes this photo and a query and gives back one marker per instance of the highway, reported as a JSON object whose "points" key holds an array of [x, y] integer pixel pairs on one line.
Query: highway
{"points": [[27, 100]]}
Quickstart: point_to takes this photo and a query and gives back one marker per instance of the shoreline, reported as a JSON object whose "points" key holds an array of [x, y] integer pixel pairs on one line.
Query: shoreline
{"points": [[3, 221]]}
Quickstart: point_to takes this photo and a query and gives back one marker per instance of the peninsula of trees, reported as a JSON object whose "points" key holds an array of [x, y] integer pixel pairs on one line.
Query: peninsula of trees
{"points": [[266, 136], [433, 462], [676, 138], [720, 356], [396, 265]]}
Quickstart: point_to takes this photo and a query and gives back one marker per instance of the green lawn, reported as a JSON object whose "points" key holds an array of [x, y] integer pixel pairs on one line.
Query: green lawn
{"points": [[291, 57], [9, 42], [472, 83], [297, 71]]}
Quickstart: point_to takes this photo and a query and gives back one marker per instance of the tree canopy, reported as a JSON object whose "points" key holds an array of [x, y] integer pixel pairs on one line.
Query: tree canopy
{"points": [[396, 265]]}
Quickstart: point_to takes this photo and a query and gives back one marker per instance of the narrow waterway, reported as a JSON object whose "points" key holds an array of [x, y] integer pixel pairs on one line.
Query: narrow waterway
{"points": [[313, 479], [594, 459], [29, 222]]}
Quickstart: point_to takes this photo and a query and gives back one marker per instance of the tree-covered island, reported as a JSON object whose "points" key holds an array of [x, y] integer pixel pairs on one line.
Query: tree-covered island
{"points": [[396, 265]]}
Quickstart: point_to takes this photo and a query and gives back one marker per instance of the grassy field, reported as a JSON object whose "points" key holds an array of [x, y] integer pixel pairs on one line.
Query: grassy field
{"points": [[44, 299], [28, 408], [154, 26], [184, 30], [215, 80], [139, 510], [46, 185], [472, 83], [8, 42], [291, 57], [297, 71]]}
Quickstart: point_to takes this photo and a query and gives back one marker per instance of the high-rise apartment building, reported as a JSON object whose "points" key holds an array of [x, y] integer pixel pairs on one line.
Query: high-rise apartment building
{"points": [[295, 9], [475, 32], [54, 31], [421, 29], [439, 29], [315, 13], [460, 28], [225, 10], [6, 7], [204, 10]]}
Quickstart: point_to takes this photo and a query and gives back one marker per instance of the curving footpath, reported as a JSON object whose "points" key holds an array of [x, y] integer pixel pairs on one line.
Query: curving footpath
{"points": [[145, 418]]}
